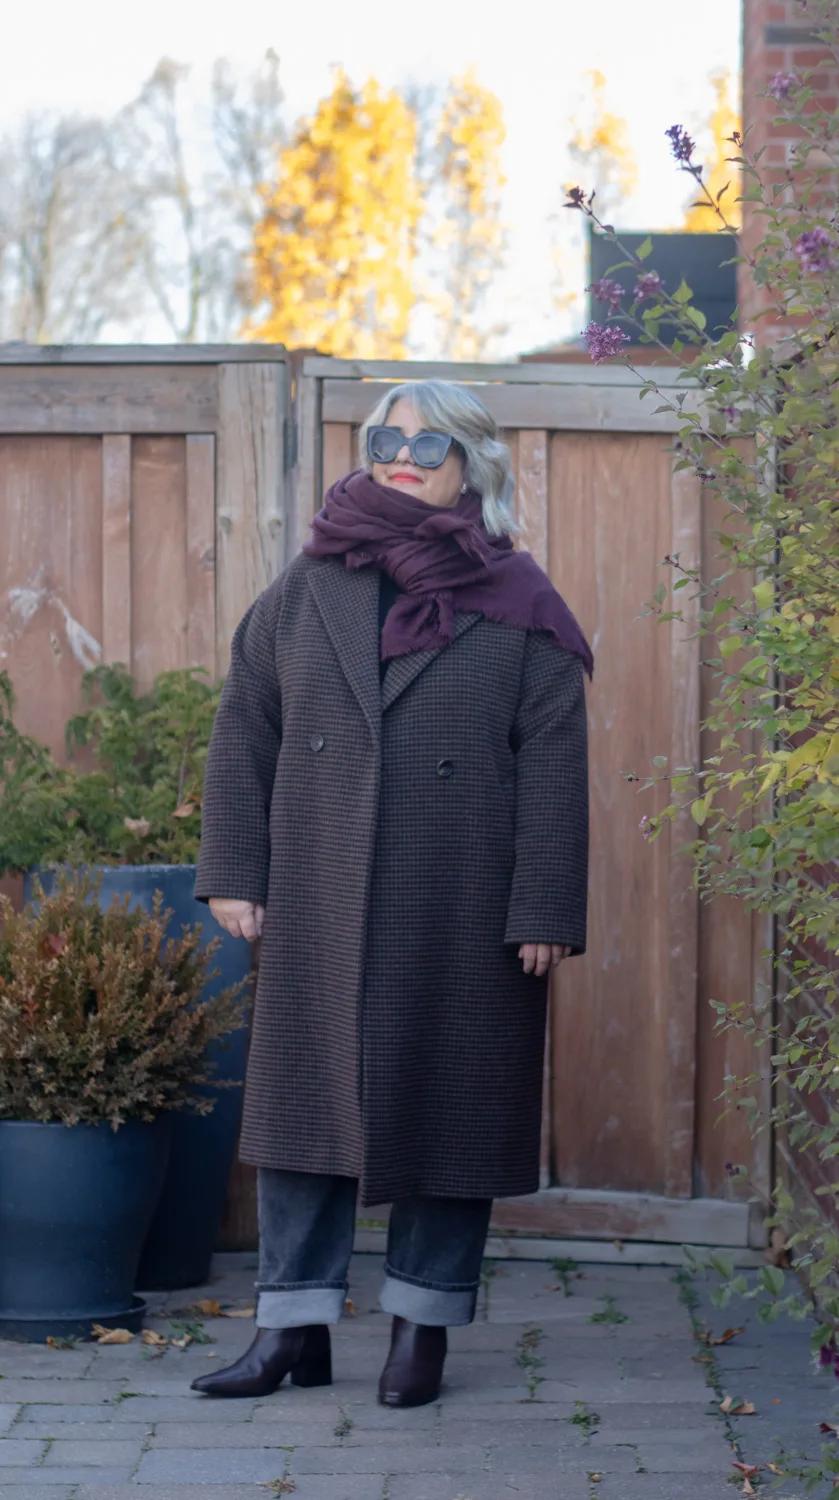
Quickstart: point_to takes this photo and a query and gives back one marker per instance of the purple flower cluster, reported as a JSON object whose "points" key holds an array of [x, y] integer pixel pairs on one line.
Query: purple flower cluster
{"points": [[814, 250], [680, 142], [646, 827], [782, 85], [649, 284], [608, 291], [604, 343], [828, 1357]]}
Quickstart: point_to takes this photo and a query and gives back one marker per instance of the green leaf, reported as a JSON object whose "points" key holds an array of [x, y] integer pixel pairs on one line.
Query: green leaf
{"points": [[772, 1280], [764, 593], [659, 760], [699, 810], [683, 292], [722, 1264], [731, 644], [645, 249], [697, 317]]}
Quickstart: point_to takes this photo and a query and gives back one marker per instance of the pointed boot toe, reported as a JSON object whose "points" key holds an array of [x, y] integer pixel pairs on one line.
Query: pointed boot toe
{"points": [[302, 1353], [413, 1373]]}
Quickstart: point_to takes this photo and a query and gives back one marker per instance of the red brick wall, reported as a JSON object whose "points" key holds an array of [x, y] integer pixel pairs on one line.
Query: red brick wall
{"points": [[777, 38]]}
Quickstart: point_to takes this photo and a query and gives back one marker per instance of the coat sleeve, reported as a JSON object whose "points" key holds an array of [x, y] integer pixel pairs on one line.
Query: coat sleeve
{"points": [[550, 881], [239, 779]]}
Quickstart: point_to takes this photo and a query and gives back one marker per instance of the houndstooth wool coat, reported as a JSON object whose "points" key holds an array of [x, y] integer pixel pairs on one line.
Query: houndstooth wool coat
{"points": [[405, 839]]}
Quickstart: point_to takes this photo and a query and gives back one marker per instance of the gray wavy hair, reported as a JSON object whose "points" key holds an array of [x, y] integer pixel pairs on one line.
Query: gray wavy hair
{"points": [[446, 407]]}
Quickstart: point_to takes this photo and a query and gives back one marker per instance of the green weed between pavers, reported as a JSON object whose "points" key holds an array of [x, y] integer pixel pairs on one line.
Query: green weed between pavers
{"points": [[124, 1396], [344, 1426], [610, 1313], [587, 1422], [689, 1298], [529, 1359], [565, 1270]]}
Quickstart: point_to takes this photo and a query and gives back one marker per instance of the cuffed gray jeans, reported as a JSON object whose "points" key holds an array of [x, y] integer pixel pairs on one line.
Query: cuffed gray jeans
{"points": [[306, 1228]]}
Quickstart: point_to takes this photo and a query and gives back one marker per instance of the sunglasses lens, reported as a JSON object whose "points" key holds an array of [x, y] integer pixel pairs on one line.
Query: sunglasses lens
{"points": [[383, 444], [430, 449]]}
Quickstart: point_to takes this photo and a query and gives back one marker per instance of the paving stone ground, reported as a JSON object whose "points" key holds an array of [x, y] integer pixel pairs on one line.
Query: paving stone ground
{"points": [[540, 1402]]}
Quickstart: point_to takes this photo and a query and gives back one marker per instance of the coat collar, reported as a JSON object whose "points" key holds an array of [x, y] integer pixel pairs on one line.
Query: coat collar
{"points": [[348, 600]]}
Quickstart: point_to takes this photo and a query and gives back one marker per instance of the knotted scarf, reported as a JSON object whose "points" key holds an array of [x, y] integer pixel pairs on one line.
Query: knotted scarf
{"points": [[443, 560]]}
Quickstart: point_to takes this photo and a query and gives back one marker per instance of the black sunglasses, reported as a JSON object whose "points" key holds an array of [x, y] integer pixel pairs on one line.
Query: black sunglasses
{"points": [[428, 449]]}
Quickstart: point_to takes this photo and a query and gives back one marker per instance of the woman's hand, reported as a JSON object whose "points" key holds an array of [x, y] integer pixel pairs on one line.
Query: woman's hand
{"points": [[239, 918], [537, 958]]}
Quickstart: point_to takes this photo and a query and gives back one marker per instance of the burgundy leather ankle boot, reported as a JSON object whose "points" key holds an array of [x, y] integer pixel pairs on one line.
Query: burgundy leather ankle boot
{"points": [[414, 1368], [303, 1353]]}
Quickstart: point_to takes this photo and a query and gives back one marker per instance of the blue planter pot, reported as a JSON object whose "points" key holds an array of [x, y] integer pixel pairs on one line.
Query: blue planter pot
{"points": [[75, 1205], [179, 1244]]}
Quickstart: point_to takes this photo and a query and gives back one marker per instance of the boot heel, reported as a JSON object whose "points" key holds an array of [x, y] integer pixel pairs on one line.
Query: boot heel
{"points": [[314, 1371], [314, 1367]]}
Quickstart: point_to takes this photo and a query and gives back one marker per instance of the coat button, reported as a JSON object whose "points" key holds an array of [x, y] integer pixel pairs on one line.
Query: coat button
{"points": [[317, 742], [445, 767]]}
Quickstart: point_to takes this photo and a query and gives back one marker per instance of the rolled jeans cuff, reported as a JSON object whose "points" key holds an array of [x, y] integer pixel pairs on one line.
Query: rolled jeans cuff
{"points": [[299, 1306], [434, 1307]]}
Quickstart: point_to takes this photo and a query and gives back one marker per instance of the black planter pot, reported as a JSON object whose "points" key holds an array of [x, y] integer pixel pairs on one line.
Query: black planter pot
{"points": [[75, 1205], [183, 1232]]}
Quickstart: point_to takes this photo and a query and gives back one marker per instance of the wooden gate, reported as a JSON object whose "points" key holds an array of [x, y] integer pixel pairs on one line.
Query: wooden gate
{"points": [[147, 496]]}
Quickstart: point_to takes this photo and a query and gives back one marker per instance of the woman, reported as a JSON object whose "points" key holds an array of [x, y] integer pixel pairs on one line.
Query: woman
{"points": [[396, 803]]}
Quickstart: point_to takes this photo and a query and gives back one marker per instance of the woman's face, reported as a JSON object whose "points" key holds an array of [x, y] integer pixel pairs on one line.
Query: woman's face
{"points": [[439, 487]]}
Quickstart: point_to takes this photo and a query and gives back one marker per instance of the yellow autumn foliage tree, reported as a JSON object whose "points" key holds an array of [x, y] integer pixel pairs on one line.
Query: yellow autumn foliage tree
{"points": [[700, 218], [469, 236], [602, 149], [334, 250]]}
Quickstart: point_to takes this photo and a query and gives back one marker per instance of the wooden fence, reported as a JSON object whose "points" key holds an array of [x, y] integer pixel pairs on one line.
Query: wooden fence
{"points": [[146, 497]]}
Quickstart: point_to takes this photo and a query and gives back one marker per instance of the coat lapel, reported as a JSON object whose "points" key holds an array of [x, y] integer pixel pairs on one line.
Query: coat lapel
{"points": [[402, 670], [348, 600]]}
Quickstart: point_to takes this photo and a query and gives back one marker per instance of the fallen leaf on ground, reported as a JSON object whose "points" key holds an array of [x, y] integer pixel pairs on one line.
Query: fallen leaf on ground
{"points": [[727, 1336], [750, 1471], [111, 1335], [776, 1400], [774, 1469], [238, 1312], [829, 1427], [153, 1340], [182, 1343], [748, 1487], [735, 1408], [207, 1306], [57, 1342], [350, 1308], [702, 1359]]}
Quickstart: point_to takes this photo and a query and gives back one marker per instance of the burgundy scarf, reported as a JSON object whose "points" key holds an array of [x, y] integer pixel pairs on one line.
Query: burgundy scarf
{"points": [[444, 560]]}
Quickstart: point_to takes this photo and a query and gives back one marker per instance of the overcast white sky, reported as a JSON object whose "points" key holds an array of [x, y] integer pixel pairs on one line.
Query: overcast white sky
{"points": [[94, 54]]}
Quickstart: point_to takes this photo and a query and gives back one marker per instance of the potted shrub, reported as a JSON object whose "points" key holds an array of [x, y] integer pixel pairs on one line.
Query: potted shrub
{"points": [[100, 1042], [128, 805]]}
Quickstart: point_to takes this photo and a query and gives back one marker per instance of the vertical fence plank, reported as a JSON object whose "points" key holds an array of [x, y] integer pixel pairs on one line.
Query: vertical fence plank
{"points": [[611, 521], [337, 451], [682, 899], [201, 550], [116, 549], [158, 556], [250, 496], [308, 485], [530, 452], [533, 493]]}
